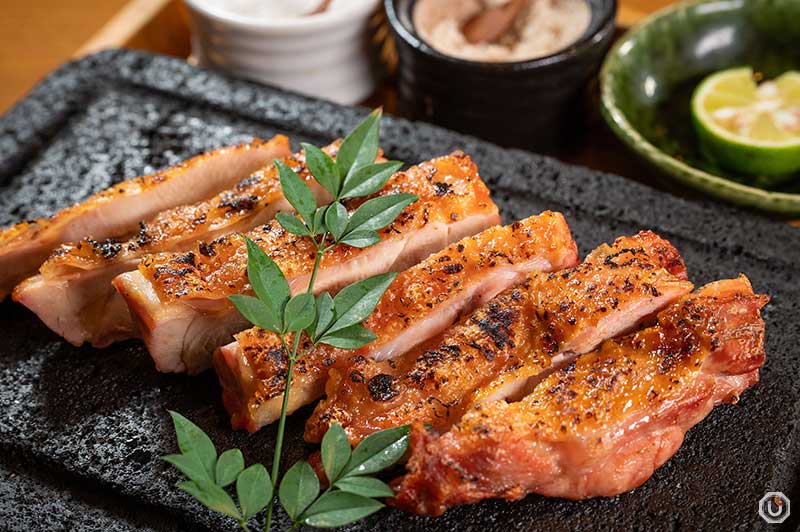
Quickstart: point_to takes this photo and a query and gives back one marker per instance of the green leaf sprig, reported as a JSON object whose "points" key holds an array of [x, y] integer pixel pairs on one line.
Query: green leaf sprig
{"points": [[323, 319]]}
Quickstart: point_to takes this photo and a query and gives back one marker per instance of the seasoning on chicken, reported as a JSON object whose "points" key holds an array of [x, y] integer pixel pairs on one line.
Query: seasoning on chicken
{"points": [[602, 425], [180, 300], [539, 324], [117, 211], [422, 302], [73, 294]]}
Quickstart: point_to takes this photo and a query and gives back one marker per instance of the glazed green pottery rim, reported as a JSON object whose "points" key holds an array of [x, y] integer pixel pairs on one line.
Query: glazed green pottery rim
{"points": [[776, 202]]}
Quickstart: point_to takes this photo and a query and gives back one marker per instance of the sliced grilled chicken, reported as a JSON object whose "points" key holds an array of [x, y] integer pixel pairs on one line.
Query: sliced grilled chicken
{"points": [[180, 300], [422, 302], [73, 294], [117, 211], [539, 324], [602, 425]]}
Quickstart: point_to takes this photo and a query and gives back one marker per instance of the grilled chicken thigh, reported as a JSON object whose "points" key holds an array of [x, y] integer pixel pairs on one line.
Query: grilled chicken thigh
{"points": [[117, 211], [73, 294], [420, 303], [603, 424], [180, 299], [538, 325]]}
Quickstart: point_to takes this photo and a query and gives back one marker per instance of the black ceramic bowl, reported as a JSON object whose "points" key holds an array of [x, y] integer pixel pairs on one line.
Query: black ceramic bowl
{"points": [[530, 104]]}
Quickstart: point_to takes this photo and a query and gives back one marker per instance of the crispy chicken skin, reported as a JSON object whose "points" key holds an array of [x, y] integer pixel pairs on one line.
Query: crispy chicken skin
{"points": [[180, 299], [536, 325], [117, 211], [603, 424], [73, 294], [420, 303]]}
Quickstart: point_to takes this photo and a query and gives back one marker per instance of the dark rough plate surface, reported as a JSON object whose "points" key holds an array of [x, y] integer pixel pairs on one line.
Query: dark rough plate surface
{"points": [[81, 430]]}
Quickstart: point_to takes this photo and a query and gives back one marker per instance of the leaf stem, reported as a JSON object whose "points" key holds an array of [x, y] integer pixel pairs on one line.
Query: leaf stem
{"points": [[292, 358]]}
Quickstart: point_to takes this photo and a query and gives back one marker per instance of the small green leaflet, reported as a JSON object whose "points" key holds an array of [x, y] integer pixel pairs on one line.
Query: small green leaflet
{"points": [[299, 488], [351, 337], [325, 317], [378, 451], [338, 508], [292, 223], [379, 212], [356, 302], [360, 147], [229, 465], [257, 312], [254, 489], [365, 486], [336, 220], [189, 465], [195, 443], [323, 169], [211, 495], [335, 451], [369, 179], [300, 312], [297, 192]]}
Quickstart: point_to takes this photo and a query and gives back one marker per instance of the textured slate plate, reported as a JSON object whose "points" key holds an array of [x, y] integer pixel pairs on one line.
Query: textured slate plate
{"points": [[81, 430]]}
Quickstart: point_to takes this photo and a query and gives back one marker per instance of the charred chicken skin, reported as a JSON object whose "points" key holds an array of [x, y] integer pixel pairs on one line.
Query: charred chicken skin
{"points": [[73, 294], [537, 325], [604, 423], [420, 303], [180, 299], [117, 211]]}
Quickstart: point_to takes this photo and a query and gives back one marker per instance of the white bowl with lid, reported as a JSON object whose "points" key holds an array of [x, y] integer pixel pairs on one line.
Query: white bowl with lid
{"points": [[274, 41]]}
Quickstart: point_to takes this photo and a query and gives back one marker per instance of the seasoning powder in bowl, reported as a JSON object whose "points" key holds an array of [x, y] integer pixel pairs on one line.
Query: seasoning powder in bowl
{"points": [[543, 27], [315, 47]]}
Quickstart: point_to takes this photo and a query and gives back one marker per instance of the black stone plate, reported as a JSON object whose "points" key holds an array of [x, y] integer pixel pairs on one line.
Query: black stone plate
{"points": [[81, 430]]}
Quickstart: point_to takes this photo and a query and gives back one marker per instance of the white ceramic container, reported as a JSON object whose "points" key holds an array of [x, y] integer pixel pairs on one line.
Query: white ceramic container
{"points": [[324, 55]]}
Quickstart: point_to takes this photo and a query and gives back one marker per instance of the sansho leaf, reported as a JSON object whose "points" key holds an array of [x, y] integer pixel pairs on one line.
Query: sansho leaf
{"points": [[325, 316], [365, 486], [361, 239], [229, 465], [335, 451], [254, 489], [351, 337], [296, 192], [212, 496], [193, 441], [292, 223], [322, 168], [189, 465], [336, 220], [379, 212], [299, 488], [369, 179], [256, 312], [360, 147], [339, 508], [266, 278], [300, 312], [378, 451], [356, 302]]}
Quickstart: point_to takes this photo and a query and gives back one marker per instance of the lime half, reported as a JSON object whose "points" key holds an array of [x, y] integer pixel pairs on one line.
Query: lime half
{"points": [[747, 127]]}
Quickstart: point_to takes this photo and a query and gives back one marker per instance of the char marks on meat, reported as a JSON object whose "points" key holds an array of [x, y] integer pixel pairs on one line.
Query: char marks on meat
{"points": [[530, 328], [420, 303], [603, 424], [117, 211]]}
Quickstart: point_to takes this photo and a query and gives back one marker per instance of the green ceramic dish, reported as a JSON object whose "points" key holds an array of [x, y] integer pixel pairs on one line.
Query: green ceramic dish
{"points": [[649, 75]]}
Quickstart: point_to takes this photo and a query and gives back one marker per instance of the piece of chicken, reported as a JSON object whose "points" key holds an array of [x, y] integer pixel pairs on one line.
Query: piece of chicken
{"points": [[422, 302], [73, 294], [539, 324], [180, 300], [117, 211], [602, 425]]}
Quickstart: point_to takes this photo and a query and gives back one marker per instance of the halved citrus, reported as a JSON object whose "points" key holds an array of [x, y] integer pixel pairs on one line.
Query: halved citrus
{"points": [[747, 127]]}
